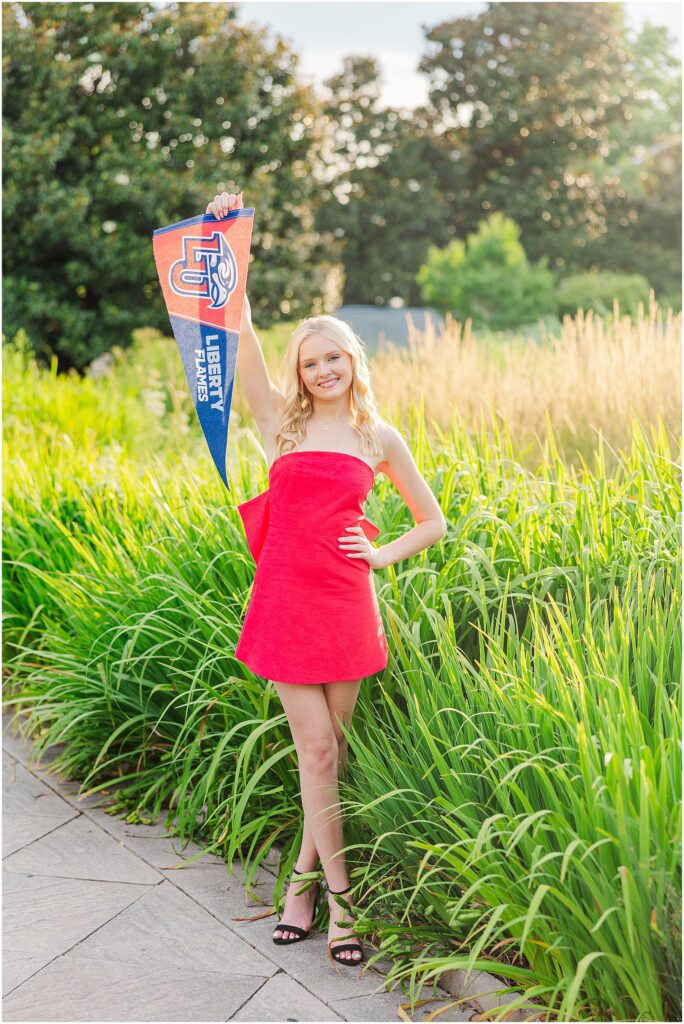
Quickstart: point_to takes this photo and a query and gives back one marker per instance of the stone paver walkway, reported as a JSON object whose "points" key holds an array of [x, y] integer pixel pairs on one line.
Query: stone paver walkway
{"points": [[99, 924]]}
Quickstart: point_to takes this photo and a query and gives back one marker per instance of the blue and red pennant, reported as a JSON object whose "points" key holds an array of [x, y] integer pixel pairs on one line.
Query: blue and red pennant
{"points": [[202, 265]]}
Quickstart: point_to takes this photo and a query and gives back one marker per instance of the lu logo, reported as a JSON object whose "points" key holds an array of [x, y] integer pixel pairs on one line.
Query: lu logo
{"points": [[207, 269]]}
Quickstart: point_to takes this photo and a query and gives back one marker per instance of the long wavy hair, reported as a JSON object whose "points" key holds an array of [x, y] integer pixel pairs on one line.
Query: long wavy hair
{"points": [[299, 400]]}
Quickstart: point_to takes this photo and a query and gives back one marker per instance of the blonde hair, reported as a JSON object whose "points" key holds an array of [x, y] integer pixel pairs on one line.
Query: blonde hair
{"points": [[299, 400]]}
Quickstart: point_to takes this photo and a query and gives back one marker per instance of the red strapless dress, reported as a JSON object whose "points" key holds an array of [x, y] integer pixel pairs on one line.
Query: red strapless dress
{"points": [[313, 616]]}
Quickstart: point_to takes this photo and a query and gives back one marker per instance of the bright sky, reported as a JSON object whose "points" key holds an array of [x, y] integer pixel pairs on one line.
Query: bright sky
{"points": [[324, 33]]}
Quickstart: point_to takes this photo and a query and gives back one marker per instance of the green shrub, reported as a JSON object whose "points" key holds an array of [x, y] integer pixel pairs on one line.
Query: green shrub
{"points": [[488, 278], [597, 289]]}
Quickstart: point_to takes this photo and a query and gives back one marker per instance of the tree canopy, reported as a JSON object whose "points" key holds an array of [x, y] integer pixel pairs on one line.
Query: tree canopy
{"points": [[122, 117]]}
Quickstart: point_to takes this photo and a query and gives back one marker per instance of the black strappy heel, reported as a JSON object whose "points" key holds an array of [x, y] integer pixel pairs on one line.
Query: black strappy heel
{"points": [[301, 933], [354, 946]]}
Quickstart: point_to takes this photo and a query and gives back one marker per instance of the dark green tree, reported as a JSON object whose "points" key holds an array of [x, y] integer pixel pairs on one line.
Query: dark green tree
{"points": [[525, 93], [121, 117], [642, 184], [382, 187], [549, 113], [654, 108]]}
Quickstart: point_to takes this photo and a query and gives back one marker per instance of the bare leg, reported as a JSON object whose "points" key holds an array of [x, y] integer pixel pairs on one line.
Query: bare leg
{"points": [[317, 753], [341, 700], [314, 713], [308, 854], [314, 739]]}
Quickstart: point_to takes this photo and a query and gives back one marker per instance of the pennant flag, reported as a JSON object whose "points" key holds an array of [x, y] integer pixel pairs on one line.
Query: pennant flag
{"points": [[202, 265]]}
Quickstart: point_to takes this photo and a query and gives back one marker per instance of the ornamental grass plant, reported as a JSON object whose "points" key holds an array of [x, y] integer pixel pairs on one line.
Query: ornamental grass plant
{"points": [[513, 799]]}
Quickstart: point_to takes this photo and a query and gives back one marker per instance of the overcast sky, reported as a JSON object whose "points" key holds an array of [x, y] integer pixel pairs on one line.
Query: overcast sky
{"points": [[323, 33]]}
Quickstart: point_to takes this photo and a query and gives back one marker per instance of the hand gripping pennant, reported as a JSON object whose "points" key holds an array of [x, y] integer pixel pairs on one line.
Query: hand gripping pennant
{"points": [[202, 266]]}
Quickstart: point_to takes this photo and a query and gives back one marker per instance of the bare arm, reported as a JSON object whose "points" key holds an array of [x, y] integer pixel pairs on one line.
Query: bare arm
{"points": [[400, 467], [263, 397]]}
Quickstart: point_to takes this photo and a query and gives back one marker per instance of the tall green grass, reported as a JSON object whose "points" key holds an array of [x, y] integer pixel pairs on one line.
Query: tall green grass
{"points": [[513, 801]]}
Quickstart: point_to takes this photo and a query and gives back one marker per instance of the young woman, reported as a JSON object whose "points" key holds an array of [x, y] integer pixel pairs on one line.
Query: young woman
{"points": [[313, 624]]}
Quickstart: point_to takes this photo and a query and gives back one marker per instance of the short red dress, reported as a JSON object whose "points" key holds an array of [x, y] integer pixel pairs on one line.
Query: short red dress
{"points": [[313, 615]]}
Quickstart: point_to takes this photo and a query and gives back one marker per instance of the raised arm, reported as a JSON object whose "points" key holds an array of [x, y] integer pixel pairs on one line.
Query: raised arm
{"points": [[263, 397]]}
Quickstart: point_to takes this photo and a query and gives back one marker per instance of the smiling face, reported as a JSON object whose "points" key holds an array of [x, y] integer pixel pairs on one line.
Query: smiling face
{"points": [[324, 367]]}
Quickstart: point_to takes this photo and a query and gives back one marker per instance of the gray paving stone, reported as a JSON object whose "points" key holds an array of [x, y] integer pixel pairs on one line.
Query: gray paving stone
{"points": [[224, 894], [17, 966], [174, 939], [9, 718], [152, 843], [44, 916], [167, 927], [485, 993], [282, 999], [385, 1006], [80, 849], [136, 837], [96, 806], [347, 990], [70, 790], [23, 793], [21, 829], [22, 750], [16, 738], [306, 962], [78, 989], [12, 741]]}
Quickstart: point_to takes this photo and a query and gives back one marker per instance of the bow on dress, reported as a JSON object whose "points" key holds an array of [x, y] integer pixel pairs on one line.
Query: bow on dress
{"points": [[255, 515]]}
